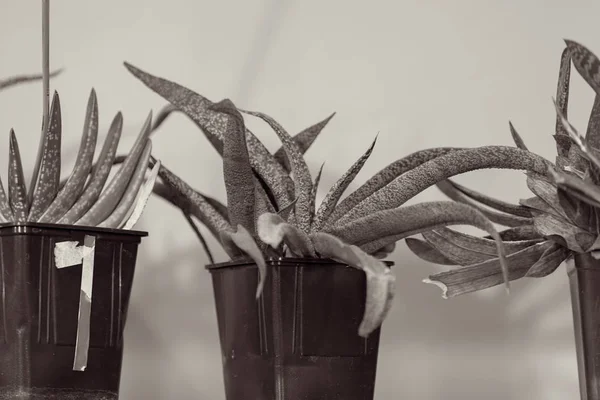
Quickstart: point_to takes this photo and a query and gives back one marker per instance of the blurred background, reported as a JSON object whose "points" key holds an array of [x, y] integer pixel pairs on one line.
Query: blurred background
{"points": [[420, 73]]}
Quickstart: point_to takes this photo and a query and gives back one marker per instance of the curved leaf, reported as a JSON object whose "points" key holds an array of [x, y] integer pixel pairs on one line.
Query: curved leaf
{"points": [[453, 251], [526, 232], [116, 218], [550, 260], [449, 189], [273, 230], [380, 281], [83, 165], [17, 192], [111, 195], [46, 187], [6, 213], [99, 173], [237, 171], [303, 140], [427, 252], [425, 175], [578, 188], [586, 63], [314, 192], [338, 189], [388, 226], [384, 177], [302, 180], [572, 237], [192, 202], [242, 241], [15, 80], [496, 204], [487, 274], [547, 192]]}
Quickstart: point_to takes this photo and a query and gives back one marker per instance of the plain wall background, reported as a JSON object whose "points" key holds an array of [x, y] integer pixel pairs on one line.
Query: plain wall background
{"points": [[421, 73]]}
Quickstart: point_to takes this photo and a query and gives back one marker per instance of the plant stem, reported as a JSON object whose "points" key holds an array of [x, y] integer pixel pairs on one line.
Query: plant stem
{"points": [[45, 94]]}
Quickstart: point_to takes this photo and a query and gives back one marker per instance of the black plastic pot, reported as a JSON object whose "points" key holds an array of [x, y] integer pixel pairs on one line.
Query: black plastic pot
{"points": [[300, 340], [584, 277], [39, 311]]}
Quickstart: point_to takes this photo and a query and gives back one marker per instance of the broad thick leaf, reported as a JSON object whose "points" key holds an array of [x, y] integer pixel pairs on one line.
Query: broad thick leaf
{"points": [[572, 237], [550, 260], [416, 180], [338, 189], [273, 230], [72, 189], [15, 80], [562, 101], [302, 180], [380, 281], [142, 199], [518, 233], [516, 137], [427, 252], [111, 195], [242, 241], [496, 204], [303, 140], [17, 192], [237, 171], [389, 226], [99, 173], [487, 274], [46, 187], [116, 218], [385, 176], [213, 125], [592, 135], [449, 189]]}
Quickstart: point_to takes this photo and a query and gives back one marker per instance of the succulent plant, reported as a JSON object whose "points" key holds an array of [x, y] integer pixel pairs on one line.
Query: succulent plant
{"points": [[271, 209], [562, 219]]}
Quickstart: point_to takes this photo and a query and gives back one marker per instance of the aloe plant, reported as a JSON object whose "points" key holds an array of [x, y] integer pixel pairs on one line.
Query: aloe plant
{"points": [[561, 220], [271, 212]]}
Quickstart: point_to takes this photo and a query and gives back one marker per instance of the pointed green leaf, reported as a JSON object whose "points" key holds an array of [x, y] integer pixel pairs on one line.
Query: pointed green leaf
{"points": [[380, 281], [6, 213], [112, 194], [242, 241], [384, 177], [302, 179], [46, 187], [487, 274], [273, 230], [427, 252], [17, 192], [99, 173], [313, 194], [562, 100], [303, 140], [338, 189], [83, 165], [592, 136], [516, 137], [126, 203], [416, 180], [135, 212], [586, 63]]}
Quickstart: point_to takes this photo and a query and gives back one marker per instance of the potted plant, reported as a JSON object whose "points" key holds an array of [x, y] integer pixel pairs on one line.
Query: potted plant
{"points": [[559, 224], [302, 279], [61, 332]]}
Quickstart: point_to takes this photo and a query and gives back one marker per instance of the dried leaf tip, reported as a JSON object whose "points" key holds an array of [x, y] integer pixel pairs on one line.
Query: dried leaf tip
{"points": [[439, 284]]}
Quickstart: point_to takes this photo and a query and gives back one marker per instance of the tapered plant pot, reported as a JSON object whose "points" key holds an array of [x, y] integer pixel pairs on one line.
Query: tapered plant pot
{"points": [[584, 277], [40, 315], [299, 340]]}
